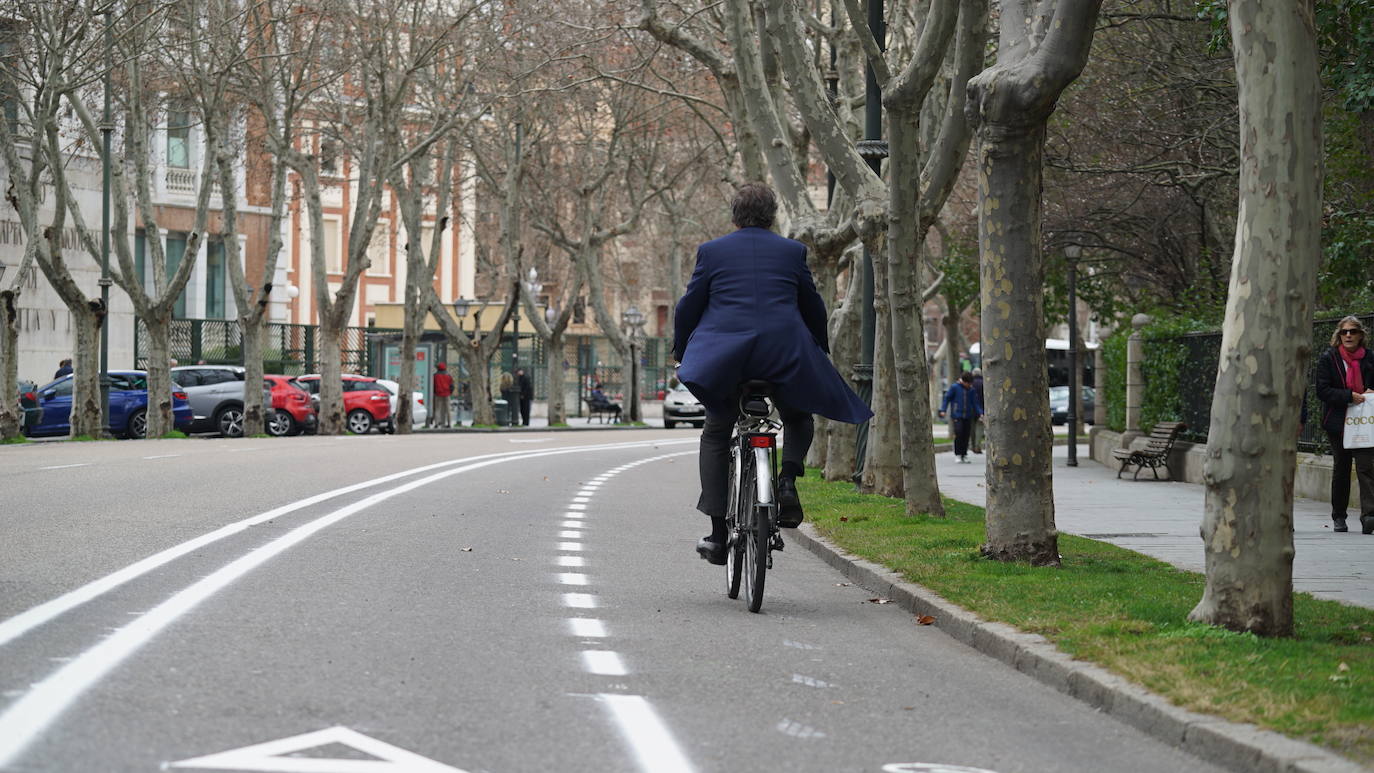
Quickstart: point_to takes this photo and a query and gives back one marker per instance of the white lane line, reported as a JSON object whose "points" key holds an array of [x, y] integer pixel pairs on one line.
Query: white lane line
{"points": [[574, 514], [239, 450], [577, 507], [646, 734], [586, 492], [29, 619], [572, 578], [571, 561], [579, 601], [66, 466], [570, 534], [603, 663], [26, 718], [571, 547], [583, 500], [163, 456], [574, 525], [587, 627], [798, 730]]}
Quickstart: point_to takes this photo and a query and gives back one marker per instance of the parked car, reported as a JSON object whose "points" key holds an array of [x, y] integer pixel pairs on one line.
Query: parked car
{"points": [[1059, 404], [293, 412], [128, 405], [681, 406], [31, 413], [216, 397], [366, 403], [418, 412]]}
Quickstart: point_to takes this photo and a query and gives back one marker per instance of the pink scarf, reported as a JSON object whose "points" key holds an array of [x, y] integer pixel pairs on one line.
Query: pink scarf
{"points": [[1353, 378]]}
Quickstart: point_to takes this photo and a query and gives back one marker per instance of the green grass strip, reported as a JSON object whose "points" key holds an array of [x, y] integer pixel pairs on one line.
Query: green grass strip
{"points": [[1128, 613]]}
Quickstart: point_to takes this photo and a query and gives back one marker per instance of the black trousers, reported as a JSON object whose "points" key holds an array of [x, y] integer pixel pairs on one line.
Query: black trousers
{"points": [[1341, 458], [713, 460], [525, 410], [963, 429]]}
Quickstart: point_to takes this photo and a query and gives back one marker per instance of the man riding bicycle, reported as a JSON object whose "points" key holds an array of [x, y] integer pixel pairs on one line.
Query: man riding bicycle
{"points": [[751, 312]]}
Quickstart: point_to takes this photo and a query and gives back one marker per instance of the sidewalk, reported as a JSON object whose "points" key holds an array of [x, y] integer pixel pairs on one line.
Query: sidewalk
{"points": [[1162, 519]]}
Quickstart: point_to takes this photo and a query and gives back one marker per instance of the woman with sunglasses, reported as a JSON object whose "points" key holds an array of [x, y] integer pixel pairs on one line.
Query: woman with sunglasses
{"points": [[1343, 377]]}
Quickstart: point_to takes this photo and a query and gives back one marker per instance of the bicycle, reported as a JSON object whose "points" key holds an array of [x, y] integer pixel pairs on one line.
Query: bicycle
{"points": [[751, 513]]}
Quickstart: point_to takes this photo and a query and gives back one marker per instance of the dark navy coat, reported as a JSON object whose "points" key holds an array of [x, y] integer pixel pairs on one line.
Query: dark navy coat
{"points": [[751, 311]]}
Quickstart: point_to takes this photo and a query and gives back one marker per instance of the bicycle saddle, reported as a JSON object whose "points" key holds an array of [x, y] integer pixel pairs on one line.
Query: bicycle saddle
{"points": [[753, 397]]}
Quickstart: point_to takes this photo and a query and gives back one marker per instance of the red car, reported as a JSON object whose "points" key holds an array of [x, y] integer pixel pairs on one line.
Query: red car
{"points": [[292, 410], [366, 403]]}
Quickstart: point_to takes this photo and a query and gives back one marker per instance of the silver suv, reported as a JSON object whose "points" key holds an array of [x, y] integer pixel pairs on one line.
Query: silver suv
{"points": [[216, 393]]}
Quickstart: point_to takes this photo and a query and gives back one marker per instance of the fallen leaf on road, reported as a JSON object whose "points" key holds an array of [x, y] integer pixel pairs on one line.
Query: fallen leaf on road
{"points": [[844, 518], [925, 620], [880, 601], [467, 550]]}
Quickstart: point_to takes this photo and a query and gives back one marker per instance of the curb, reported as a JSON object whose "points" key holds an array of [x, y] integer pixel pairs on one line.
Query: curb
{"points": [[1239, 747]]}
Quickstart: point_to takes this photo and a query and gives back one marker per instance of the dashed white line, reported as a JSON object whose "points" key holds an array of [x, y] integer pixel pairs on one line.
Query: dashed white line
{"points": [[577, 507], [571, 547], [574, 514], [579, 600], [66, 466], [582, 499], [570, 534], [603, 663], [587, 627], [572, 578], [163, 456], [571, 561], [574, 525], [653, 745]]}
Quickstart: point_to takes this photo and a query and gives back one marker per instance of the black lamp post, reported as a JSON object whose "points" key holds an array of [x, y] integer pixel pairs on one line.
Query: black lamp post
{"points": [[874, 150], [634, 321], [1071, 253]]}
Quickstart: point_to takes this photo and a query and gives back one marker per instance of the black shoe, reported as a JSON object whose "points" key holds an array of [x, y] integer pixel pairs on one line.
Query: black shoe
{"points": [[1339, 521], [789, 504], [713, 552], [1367, 524]]}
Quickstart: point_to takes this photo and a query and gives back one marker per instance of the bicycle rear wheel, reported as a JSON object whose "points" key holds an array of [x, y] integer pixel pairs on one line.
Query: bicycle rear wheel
{"points": [[734, 550], [754, 542]]}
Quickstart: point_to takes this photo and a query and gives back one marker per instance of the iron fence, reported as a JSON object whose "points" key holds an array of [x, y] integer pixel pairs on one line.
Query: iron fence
{"points": [[1180, 378], [289, 349]]}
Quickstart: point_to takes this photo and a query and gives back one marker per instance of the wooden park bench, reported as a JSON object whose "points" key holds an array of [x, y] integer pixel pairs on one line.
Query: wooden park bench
{"points": [[600, 409], [1155, 454]]}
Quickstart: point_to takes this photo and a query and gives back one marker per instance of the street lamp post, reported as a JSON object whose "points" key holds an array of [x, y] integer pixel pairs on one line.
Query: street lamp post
{"points": [[873, 149], [1071, 253], [106, 129], [634, 321]]}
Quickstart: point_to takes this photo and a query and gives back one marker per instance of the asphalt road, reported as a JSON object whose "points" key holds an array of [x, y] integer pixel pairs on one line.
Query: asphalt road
{"points": [[463, 602]]}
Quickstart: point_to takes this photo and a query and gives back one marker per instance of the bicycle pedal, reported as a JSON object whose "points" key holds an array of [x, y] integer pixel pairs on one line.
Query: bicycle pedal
{"points": [[776, 542]]}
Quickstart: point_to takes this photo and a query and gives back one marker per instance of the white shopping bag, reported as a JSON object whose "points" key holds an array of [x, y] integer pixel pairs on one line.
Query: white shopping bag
{"points": [[1359, 425]]}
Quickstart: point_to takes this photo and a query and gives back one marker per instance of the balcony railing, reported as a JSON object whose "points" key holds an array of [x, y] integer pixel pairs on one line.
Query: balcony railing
{"points": [[181, 180]]}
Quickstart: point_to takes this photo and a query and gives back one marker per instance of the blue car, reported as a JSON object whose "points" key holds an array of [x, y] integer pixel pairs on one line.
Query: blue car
{"points": [[128, 406]]}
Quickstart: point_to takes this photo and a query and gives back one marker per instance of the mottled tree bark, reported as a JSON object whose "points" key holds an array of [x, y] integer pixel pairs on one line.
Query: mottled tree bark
{"points": [[1266, 338], [1009, 105]]}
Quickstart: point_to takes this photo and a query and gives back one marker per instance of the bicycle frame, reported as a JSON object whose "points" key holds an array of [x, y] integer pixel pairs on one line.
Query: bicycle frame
{"points": [[752, 510]]}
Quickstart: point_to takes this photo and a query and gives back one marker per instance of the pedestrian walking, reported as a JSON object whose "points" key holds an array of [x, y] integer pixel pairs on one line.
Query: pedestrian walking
{"points": [[965, 408], [63, 368], [443, 389], [976, 439], [1343, 377], [525, 388]]}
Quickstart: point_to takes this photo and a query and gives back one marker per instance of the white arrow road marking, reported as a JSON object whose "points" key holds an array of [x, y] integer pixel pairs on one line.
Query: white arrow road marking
{"points": [[23, 720], [267, 757]]}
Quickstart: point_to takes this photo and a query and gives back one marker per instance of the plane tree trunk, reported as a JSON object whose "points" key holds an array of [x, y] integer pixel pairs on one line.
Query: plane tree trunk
{"points": [[1247, 529]]}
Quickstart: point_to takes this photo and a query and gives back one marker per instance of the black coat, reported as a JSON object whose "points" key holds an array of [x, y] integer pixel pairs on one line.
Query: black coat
{"points": [[1329, 380], [525, 386]]}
